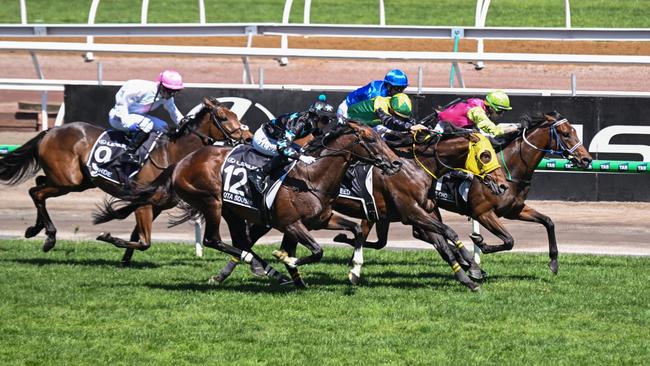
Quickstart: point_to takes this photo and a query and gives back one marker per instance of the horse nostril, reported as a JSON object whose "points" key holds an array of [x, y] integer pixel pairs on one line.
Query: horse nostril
{"points": [[248, 140], [397, 163], [503, 187]]}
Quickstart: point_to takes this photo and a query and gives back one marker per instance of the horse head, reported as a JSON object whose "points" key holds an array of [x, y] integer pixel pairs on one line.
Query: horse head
{"points": [[215, 122], [561, 138], [362, 143]]}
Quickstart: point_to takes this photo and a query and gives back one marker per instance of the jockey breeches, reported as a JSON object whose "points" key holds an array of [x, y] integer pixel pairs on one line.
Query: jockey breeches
{"points": [[134, 122]]}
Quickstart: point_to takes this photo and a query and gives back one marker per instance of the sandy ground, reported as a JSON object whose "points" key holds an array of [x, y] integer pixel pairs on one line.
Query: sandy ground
{"points": [[593, 227]]}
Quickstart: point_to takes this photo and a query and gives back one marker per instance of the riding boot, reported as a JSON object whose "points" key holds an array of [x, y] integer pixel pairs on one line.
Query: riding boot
{"points": [[258, 176], [138, 138]]}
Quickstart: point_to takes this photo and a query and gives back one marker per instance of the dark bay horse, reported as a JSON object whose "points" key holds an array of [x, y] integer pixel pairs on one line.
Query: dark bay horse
{"points": [[303, 202], [62, 152], [546, 133], [405, 197]]}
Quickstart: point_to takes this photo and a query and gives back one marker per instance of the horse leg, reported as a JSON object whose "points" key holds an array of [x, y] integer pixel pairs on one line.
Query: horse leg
{"points": [[255, 233], [440, 243], [531, 215], [242, 240], [491, 222], [144, 216], [301, 234], [41, 192], [135, 235], [338, 222], [290, 244]]}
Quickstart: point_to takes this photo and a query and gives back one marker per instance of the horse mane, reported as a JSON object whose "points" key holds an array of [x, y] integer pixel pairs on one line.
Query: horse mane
{"points": [[186, 127], [322, 140], [537, 119]]}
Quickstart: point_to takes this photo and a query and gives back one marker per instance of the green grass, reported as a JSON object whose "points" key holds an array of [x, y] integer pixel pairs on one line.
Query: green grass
{"points": [[75, 306], [519, 13]]}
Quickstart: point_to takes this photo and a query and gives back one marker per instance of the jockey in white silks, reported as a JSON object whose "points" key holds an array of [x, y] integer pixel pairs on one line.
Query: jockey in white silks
{"points": [[136, 99]]}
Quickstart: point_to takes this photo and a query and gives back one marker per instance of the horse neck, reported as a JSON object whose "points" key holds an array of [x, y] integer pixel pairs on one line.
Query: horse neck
{"points": [[326, 174], [450, 154], [521, 159], [189, 142]]}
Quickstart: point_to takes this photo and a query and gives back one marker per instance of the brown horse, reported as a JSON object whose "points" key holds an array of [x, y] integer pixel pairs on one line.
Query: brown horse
{"points": [[62, 153], [302, 203], [546, 133], [404, 197]]}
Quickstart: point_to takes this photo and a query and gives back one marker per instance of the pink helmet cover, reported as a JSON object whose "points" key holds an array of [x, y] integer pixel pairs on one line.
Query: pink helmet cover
{"points": [[170, 79]]}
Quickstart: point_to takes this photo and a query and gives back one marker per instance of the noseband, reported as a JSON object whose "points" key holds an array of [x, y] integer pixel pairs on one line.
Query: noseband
{"points": [[357, 141], [564, 150], [230, 140]]}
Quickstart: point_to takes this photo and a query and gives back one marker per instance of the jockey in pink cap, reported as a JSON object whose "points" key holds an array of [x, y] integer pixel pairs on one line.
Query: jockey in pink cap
{"points": [[136, 99]]}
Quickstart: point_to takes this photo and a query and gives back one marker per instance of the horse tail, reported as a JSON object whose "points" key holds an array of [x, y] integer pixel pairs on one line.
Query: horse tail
{"points": [[22, 163], [158, 193], [188, 213], [113, 209]]}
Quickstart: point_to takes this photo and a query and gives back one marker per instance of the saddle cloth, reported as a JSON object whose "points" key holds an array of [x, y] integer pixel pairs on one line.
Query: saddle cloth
{"points": [[357, 185], [452, 191], [237, 188], [104, 161]]}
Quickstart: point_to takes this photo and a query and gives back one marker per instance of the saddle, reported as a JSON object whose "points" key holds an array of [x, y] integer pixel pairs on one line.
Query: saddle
{"points": [[237, 188], [105, 159], [357, 185]]}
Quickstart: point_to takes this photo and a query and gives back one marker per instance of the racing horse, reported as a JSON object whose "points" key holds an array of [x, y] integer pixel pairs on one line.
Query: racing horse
{"points": [[303, 201], [404, 197], [62, 152], [547, 133]]}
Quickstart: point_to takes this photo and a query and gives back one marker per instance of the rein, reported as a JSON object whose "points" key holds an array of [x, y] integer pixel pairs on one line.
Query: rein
{"points": [[435, 154], [554, 136]]}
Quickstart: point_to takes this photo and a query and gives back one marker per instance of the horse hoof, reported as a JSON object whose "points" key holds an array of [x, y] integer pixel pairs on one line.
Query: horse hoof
{"points": [[553, 266], [341, 238], [104, 237], [476, 289], [300, 284], [476, 238], [216, 280], [32, 231], [125, 264], [354, 279], [284, 281], [49, 244], [257, 269]]}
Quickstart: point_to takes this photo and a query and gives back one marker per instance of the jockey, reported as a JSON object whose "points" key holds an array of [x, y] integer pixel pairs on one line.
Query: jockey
{"points": [[136, 99], [477, 112], [385, 114], [275, 138], [394, 82]]}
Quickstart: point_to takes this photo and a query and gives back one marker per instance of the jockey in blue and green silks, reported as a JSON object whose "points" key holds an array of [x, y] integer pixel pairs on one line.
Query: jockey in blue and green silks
{"points": [[385, 113], [394, 82]]}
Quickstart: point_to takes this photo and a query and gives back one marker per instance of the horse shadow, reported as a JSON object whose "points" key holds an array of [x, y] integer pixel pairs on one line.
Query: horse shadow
{"points": [[80, 262]]}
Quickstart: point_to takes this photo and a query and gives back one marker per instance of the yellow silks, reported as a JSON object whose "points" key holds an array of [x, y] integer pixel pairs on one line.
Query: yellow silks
{"points": [[473, 164], [383, 103]]}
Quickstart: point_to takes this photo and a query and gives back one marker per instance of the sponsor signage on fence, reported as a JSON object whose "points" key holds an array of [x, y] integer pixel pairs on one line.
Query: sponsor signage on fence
{"points": [[614, 128]]}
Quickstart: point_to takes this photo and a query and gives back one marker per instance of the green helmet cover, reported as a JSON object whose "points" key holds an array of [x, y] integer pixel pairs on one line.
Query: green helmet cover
{"points": [[498, 100], [401, 105]]}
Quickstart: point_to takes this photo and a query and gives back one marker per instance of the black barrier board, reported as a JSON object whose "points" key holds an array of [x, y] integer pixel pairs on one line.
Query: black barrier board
{"points": [[612, 128]]}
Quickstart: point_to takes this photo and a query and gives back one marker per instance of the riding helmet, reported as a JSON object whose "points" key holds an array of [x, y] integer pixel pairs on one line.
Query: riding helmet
{"points": [[396, 77], [498, 100]]}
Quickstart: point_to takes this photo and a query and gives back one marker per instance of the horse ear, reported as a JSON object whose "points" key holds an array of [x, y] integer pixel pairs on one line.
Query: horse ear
{"points": [[473, 138], [207, 102]]}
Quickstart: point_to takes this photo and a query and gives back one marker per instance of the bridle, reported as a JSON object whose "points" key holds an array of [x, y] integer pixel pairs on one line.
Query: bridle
{"points": [[357, 141], [228, 134], [563, 150]]}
